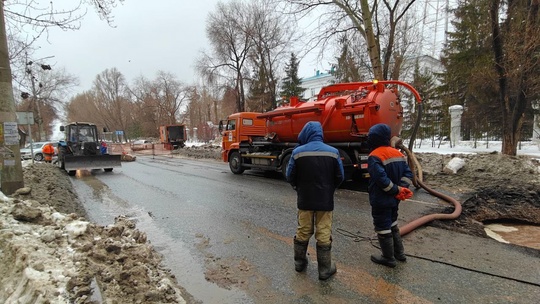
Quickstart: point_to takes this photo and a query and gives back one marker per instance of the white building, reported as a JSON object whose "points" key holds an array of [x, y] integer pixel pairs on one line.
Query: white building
{"points": [[315, 83]]}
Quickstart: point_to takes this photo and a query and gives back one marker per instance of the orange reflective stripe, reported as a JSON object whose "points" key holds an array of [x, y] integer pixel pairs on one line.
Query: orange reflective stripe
{"points": [[388, 154]]}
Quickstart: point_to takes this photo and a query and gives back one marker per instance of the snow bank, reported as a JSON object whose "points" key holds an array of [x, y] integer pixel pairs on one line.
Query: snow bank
{"points": [[50, 257], [36, 261], [530, 148]]}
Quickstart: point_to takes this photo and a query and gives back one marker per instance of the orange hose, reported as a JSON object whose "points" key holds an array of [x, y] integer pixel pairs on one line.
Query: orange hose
{"points": [[417, 181], [436, 216]]}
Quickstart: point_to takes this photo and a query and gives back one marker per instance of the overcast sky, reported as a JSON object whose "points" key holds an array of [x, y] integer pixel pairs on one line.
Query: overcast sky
{"points": [[150, 36]]}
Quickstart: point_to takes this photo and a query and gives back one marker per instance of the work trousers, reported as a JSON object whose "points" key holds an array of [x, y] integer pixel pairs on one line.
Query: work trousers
{"points": [[384, 218], [48, 157], [318, 222]]}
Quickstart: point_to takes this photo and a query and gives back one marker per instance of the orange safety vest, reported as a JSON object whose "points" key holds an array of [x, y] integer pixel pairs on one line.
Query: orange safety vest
{"points": [[48, 149]]}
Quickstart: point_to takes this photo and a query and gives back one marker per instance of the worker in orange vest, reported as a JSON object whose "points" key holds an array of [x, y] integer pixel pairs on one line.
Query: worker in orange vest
{"points": [[48, 152]]}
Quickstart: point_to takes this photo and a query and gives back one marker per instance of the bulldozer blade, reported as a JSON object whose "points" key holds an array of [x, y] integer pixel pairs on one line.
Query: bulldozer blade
{"points": [[89, 162]]}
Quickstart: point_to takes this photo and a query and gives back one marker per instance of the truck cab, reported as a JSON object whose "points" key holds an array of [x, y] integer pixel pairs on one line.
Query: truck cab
{"points": [[238, 128]]}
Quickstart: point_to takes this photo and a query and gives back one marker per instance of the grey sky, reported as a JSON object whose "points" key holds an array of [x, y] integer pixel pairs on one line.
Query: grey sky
{"points": [[150, 36]]}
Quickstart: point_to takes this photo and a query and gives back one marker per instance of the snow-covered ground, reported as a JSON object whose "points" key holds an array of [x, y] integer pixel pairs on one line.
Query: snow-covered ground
{"points": [[530, 148], [524, 148]]}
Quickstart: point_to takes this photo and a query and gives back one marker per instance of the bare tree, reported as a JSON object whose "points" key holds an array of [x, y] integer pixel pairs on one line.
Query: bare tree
{"points": [[231, 44], [112, 99], [82, 107], [28, 20], [11, 176], [378, 25], [159, 101], [38, 83], [272, 41], [43, 92], [170, 95], [147, 114]]}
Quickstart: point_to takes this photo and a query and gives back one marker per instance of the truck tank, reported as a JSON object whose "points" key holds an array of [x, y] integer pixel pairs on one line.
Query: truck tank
{"points": [[346, 112]]}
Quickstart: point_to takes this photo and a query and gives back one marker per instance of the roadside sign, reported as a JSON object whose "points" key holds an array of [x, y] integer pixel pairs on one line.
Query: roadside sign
{"points": [[11, 135], [25, 118]]}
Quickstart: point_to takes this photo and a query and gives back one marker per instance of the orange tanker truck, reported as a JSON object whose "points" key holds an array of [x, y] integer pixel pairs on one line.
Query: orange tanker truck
{"points": [[346, 111]]}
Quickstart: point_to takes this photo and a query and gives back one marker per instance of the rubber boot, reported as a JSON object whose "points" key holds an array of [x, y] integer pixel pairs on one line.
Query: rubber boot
{"points": [[300, 260], [387, 248], [399, 251], [327, 268]]}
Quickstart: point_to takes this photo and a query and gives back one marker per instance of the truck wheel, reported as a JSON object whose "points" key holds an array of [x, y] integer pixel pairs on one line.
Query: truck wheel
{"points": [[235, 163], [285, 164], [108, 169], [72, 172]]}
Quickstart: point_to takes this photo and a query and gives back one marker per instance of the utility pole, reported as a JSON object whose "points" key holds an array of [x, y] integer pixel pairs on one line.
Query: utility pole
{"points": [[35, 96], [11, 177]]}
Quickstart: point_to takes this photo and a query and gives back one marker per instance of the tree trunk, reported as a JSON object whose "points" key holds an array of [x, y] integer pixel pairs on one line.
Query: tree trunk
{"points": [[513, 100], [11, 177], [372, 42]]}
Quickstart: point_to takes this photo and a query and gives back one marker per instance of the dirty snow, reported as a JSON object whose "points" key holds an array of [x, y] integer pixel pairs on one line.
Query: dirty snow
{"points": [[52, 256]]}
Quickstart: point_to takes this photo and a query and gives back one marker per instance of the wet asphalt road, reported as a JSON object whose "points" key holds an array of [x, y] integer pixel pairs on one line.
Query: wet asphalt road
{"points": [[228, 239]]}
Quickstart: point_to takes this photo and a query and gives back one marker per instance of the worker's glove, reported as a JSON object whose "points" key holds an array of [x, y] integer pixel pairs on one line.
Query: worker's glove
{"points": [[403, 194]]}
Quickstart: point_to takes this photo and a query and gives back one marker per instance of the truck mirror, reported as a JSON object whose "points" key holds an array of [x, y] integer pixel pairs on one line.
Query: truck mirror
{"points": [[220, 128], [62, 128]]}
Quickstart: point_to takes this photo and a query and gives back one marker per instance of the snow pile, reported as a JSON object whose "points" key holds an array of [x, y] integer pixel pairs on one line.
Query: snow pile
{"points": [[36, 261], [50, 257]]}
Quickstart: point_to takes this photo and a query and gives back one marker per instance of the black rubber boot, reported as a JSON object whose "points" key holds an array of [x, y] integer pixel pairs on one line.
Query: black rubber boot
{"points": [[387, 248], [327, 268], [300, 260], [399, 251]]}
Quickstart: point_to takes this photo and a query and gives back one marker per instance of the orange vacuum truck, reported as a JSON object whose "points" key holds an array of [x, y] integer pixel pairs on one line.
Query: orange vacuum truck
{"points": [[346, 111]]}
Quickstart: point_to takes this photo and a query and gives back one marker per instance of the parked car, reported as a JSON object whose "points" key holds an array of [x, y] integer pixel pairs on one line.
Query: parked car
{"points": [[141, 144], [26, 152]]}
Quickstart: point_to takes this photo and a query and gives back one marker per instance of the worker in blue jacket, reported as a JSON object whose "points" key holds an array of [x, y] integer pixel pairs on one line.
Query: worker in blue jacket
{"points": [[315, 170], [390, 178]]}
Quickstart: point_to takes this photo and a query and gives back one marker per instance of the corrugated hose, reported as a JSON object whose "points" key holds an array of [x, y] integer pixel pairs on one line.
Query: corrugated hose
{"points": [[418, 182]]}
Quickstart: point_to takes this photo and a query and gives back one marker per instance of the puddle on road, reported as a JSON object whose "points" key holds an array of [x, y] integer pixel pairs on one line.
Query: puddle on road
{"points": [[189, 271], [518, 234], [103, 206]]}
